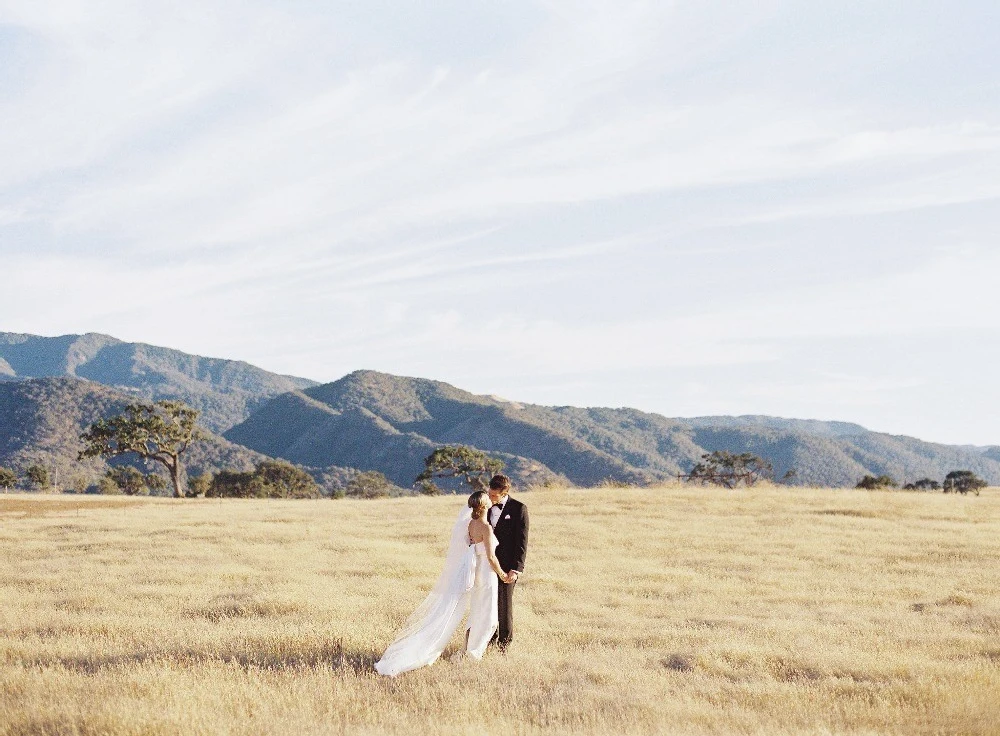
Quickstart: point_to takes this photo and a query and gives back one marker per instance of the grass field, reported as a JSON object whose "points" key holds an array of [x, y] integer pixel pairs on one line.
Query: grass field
{"points": [[680, 610]]}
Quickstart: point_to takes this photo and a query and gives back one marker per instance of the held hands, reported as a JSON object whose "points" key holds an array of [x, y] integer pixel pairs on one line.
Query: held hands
{"points": [[510, 577]]}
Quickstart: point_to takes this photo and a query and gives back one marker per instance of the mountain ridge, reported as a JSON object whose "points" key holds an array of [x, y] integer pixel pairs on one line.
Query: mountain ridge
{"points": [[41, 420], [368, 420], [587, 446], [225, 391]]}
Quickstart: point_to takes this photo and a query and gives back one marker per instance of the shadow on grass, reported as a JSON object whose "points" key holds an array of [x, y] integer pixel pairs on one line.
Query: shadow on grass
{"points": [[856, 513], [273, 657]]}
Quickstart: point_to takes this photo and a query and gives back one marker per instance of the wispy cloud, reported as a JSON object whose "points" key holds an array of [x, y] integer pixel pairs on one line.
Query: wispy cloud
{"points": [[610, 187]]}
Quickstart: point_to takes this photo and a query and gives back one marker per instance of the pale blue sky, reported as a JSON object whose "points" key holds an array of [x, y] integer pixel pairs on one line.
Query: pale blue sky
{"points": [[786, 208]]}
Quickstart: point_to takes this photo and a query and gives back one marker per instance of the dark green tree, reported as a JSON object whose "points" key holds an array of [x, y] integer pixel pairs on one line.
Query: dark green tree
{"points": [[271, 479], [924, 484], [199, 485], [38, 476], [8, 479], [130, 481], [370, 484], [963, 481], [231, 484], [160, 432], [107, 487], [875, 483], [280, 479], [78, 483], [429, 488], [729, 469], [156, 484], [452, 461]]}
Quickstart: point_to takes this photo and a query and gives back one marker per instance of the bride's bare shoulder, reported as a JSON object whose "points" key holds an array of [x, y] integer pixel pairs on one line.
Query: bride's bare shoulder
{"points": [[477, 530]]}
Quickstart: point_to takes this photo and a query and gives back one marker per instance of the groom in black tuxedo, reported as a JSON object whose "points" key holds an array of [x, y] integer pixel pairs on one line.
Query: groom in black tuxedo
{"points": [[509, 519]]}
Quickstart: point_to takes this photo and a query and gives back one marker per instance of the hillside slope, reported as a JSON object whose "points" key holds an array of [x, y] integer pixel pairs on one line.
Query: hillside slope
{"points": [[41, 420], [389, 423], [225, 391], [375, 421]]}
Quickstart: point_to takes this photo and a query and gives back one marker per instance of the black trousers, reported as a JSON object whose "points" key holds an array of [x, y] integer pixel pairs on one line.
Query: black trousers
{"points": [[505, 612]]}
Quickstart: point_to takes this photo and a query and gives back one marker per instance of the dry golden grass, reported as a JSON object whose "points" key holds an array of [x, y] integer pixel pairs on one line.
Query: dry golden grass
{"points": [[682, 610]]}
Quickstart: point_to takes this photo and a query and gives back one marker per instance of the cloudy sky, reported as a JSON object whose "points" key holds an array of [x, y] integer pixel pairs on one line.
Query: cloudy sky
{"points": [[786, 208]]}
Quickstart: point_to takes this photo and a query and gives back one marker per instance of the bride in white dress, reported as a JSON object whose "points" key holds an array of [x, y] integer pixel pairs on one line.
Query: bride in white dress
{"points": [[467, 583]]}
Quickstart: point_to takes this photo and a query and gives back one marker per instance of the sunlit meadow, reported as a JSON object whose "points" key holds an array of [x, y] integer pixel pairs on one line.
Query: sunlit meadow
{"points": [[674, 610]]}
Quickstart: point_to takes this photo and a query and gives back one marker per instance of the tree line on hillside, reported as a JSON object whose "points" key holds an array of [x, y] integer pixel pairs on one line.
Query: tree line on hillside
{"points": [[35, 477], [160, 433], [730, 470], [957, 481]]}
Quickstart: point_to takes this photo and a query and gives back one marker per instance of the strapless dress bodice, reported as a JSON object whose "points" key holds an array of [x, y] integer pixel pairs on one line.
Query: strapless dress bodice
{"points": [[480, 548]]}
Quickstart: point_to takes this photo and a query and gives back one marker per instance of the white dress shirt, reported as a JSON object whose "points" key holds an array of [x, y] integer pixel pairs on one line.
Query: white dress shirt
{"points": [[495, 511]]}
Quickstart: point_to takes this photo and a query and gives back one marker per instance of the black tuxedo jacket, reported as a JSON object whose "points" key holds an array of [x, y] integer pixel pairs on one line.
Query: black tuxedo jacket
{"points": [[512, 535]]}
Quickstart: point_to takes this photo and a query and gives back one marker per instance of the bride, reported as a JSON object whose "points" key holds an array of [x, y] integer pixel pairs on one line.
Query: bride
{"points": [[467, 583]]}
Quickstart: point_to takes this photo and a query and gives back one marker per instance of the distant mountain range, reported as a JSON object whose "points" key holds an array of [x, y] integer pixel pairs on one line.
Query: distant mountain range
{"points": [[41, 420], [225, 391], [375, 421]]}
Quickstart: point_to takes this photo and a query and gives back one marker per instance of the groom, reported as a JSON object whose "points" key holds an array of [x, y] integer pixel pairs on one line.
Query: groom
{"points": [[509, 519]]}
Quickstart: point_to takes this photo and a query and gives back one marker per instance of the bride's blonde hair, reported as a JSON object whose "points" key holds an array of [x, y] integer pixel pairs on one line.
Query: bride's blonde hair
{"points": [[479, 502]]}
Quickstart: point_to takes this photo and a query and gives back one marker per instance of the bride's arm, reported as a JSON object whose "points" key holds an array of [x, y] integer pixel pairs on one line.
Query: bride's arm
{"points": [[491, 555]]}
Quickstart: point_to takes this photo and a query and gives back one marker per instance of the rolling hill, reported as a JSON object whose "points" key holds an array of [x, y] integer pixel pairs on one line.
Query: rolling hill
{"points": [[378, 421], [225, 391], [51, 387], [41, 420]]}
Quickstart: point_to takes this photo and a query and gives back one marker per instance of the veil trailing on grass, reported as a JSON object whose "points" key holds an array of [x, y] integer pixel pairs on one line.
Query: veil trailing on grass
{"points": [[429, 628]]}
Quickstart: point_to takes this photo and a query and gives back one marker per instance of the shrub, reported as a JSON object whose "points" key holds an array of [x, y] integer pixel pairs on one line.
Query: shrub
{"points": [[107, 487], [38, 476], [78, 483], [370, 484], [963, 481], [429, 488], [924, 484], [615, 483], [271, 479], [875, 483], [280, 479], [129, 480], [8, 479], [199, 485]]}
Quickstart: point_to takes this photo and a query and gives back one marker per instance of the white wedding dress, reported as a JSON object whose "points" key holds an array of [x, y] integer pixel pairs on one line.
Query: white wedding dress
{"points": [[467, 584]]}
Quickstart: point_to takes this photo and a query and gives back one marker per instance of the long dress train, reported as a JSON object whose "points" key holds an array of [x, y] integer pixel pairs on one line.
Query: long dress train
{"points": [[429, 628]]}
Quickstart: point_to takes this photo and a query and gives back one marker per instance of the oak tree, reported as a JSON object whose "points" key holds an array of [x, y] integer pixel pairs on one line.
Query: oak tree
{"points": [[38, 476], [162, 432], [963, 481], [876, 483], [369, 484], [723, 468], [453, 461], [8, 479]]}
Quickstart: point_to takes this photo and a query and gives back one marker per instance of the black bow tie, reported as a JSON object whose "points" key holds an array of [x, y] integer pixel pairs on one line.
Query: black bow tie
{"points": [[497, 506]]}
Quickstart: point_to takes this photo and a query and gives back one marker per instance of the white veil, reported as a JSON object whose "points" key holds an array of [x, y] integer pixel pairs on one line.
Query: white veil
{"points": [[429, 628]]}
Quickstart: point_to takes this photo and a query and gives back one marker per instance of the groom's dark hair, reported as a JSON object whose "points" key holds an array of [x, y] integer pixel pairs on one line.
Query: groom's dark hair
{"points": [[499, 482]]}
